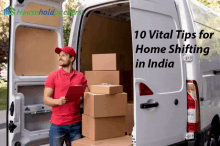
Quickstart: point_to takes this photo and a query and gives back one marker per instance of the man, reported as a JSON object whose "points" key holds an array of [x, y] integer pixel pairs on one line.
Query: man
{"points": [[66, 120]]}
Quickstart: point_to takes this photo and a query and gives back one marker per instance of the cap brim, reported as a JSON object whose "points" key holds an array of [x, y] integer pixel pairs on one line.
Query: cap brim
{"points": [[58, 50]]}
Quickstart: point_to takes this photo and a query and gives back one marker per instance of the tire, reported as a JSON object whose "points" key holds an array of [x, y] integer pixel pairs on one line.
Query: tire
{"points": [[216, 134], [218, 144]]}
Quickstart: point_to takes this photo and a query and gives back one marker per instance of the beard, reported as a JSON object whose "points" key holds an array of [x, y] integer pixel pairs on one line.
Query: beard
{"points": [[64, 64]]}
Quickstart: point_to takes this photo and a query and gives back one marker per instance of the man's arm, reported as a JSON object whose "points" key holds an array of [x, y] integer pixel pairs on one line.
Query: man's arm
{"points": [[49, 101]]}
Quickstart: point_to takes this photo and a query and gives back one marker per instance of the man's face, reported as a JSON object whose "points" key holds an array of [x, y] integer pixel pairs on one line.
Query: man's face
{"points": [[64, 59]]}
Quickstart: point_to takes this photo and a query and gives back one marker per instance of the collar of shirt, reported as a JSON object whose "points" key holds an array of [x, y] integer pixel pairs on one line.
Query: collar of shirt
{"points": [[63, 72]]}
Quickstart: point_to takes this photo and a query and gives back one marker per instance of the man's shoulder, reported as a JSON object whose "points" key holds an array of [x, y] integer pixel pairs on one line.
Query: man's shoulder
{"points": [[79, 73], [53, 73]]}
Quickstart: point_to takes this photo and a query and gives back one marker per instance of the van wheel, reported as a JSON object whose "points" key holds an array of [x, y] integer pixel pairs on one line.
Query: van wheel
{"points": [[218, 143]]}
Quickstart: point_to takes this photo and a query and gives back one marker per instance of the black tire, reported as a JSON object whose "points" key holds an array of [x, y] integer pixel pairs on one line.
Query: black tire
{"points": [[218, 143], [216, 134]]}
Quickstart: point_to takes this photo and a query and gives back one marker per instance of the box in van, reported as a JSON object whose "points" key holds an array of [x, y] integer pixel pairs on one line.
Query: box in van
{"points": [[99, 77], [119, 141], [129, 119], [106, 89], [103, 127], [108, 61], [101, 105]]}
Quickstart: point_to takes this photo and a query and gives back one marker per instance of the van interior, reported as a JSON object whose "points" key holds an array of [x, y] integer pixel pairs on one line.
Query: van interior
{"points": [[108, 30]]}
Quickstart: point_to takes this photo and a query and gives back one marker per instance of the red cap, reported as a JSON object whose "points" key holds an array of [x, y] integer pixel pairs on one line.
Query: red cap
{"points": [[66, 49]]}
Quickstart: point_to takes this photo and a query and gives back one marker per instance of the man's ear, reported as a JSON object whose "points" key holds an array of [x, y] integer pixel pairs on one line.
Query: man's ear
{"points": [[72, 59]]}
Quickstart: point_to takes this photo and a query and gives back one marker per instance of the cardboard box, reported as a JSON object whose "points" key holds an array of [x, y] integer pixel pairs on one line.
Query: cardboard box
{"points": [[129, 119], [99, 77], [101, 105], [103, 128], [119, 141], [87, 89], [106, 89], [108, 61]]}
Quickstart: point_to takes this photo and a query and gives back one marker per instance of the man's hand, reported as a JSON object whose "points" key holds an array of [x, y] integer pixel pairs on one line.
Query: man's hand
{"points": [[61, 101]]}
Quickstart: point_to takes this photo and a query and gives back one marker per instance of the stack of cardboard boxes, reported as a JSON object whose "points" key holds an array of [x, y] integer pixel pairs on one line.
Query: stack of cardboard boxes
{"points": [[106, 68], [105, 106], [104, 112]]}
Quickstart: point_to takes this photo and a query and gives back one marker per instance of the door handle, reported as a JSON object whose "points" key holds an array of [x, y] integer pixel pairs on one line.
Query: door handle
{"points": [[149, 105], [216, 72], [12, 108]]}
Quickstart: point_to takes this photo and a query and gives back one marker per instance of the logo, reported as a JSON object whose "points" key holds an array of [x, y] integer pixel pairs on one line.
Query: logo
{"points": [[9, 11]]}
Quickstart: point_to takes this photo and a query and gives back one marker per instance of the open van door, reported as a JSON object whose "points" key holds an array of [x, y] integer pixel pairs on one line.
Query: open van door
{"points": [[36, 29], [74, 35], [160, 96]]}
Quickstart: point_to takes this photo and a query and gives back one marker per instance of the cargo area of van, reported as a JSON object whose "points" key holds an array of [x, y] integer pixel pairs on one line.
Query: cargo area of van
{"points": [[108, 30], [106, 56]]}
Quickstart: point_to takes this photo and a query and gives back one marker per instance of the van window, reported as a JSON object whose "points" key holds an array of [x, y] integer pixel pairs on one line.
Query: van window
{"points": [[209, 61], [200, 15], [216, 21]]}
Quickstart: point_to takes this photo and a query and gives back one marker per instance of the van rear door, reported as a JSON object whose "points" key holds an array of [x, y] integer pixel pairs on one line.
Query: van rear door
{"points": [[75, 35], [161, 116], [35, 31]]}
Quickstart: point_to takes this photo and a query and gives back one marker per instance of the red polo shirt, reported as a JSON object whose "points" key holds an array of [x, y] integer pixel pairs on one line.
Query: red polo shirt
{"points": [[60, 80]]}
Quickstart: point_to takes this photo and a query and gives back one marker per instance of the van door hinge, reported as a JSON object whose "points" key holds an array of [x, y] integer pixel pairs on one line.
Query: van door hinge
{"points": [[133, 140], [188, 58], [11, 126]]}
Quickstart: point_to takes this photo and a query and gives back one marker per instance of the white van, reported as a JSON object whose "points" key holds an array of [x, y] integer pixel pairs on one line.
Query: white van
{"points": [[174, 103]]}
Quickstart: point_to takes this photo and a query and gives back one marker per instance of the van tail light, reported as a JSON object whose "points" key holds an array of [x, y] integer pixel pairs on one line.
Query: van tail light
{"points": [[144, 90], [193, 108]]}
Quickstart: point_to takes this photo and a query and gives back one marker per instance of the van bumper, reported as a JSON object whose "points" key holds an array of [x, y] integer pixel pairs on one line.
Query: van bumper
{"points": [[193, 143], [187, 143], [201, 137]]}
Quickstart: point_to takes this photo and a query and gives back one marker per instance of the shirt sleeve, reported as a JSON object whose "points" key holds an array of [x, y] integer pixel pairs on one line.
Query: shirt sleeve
{"points": [[49, 83], [84, 81]]}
